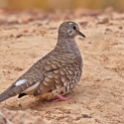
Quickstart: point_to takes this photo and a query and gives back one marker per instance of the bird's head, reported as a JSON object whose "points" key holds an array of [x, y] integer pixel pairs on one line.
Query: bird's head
{"points": [[70, 29]]}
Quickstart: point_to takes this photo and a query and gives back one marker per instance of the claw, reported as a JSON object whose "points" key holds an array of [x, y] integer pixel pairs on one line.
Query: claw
{"points": [[61, 98]]}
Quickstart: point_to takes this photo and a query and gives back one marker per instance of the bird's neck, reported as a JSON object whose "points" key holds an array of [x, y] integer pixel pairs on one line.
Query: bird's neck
{"points": [[66, 45]]}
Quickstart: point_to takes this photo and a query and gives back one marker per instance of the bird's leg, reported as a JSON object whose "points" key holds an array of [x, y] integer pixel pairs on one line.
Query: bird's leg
{"points": [[61, 98]]}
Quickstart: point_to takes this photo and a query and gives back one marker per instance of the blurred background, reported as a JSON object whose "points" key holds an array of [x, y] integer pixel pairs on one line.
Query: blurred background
{"points": [[61, 4]]}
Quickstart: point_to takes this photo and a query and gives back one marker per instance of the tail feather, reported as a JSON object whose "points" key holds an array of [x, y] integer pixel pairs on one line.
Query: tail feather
{"points": [[10, 92], [4, 96], [18, 88]]}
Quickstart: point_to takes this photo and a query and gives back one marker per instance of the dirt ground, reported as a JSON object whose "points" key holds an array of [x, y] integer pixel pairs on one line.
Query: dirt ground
{"points": [[27, 36]]}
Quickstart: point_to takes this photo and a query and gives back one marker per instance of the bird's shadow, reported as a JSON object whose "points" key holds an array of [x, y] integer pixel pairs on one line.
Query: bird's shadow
{"points": [[30, 103], [24, 104], [37, 104]]}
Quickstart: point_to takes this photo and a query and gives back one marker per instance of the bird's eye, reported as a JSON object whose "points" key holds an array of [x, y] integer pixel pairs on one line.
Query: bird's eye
{"points": [[74, 27]]}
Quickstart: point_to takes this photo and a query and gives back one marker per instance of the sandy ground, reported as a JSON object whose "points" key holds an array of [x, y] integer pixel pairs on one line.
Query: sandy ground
{"points": [[25, 37]]}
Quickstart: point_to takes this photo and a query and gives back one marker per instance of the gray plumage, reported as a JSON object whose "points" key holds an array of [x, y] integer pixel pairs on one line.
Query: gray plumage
{"points": [[56, 73]]}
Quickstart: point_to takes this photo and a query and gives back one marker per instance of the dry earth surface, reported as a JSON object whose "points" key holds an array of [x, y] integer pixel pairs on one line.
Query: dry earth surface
{"points": [[26, 36]]}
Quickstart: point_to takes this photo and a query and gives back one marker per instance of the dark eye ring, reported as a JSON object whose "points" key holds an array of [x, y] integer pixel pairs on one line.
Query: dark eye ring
{"points": [[74, 27]]}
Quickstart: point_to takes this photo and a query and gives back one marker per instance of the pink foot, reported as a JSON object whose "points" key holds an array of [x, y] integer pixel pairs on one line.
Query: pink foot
{"points": [[62, 98]]}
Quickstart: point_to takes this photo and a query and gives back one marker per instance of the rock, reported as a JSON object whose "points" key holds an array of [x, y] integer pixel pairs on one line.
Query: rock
{"points": [[18, 117]]}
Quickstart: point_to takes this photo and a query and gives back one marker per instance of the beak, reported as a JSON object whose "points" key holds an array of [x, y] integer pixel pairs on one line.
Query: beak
{"points": [[81, 34]]}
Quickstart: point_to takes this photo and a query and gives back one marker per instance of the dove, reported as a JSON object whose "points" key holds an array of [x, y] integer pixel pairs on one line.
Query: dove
{"points": [[54, 75]]}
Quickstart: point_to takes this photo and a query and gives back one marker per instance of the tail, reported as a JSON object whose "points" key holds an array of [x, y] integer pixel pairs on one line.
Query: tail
{"points": [[7, 94], [4, 96], [10, 92], [17, 88], [13, 90]]}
